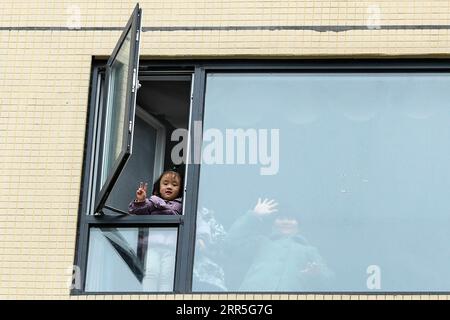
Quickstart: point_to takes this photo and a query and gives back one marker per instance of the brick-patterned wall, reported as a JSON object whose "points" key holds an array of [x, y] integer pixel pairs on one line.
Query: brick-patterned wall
{"points": [[45, 62]]}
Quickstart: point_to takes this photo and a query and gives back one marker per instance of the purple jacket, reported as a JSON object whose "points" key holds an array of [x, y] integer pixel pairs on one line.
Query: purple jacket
{"points": [[156, 205]]}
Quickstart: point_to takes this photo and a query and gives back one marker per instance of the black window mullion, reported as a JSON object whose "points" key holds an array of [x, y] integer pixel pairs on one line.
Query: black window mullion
{"points": [[135, 220], [186, 238]]}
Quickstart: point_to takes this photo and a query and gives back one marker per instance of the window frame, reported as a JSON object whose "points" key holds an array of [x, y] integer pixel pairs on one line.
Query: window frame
{"points": [[132, 28], [187, 222]]}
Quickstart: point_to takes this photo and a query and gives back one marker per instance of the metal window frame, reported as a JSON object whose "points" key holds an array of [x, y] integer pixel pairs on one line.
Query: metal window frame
{"points": [[187, 222], [132, 28]]}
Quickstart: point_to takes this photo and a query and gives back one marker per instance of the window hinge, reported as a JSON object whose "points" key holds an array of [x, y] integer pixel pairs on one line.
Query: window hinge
{"points": [[133, 88], [137, 35], [130, 126]]}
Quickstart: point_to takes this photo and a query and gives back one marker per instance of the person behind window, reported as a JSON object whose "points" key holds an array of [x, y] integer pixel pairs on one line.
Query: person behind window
{"points": [[208, 273], [165, 197], [166, 200], [272, 254]]}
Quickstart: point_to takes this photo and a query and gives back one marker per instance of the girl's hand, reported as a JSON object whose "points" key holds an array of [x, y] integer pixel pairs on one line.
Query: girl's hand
{"points": [[141, 192], [265, 207]]}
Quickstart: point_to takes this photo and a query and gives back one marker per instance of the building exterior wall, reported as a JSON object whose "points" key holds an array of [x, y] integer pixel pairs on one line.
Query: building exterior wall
{"points": [[46, 50]]}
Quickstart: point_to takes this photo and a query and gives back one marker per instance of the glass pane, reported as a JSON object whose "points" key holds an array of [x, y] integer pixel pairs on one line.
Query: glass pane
{"points": [[131, 259], [115, 109], [138, 168], [359, 168]]}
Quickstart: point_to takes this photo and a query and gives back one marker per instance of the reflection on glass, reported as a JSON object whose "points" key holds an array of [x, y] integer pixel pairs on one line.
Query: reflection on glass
{"points": [[115, 108], [361, 189], [131, 259], [208, 274]]}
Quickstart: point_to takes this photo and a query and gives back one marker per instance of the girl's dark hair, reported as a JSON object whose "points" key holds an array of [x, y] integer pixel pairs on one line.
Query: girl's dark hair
{"points": [[174, 172]]}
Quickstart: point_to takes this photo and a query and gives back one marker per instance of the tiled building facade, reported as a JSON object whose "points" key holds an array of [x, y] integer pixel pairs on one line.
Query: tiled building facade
{"points": [[46, 51]]}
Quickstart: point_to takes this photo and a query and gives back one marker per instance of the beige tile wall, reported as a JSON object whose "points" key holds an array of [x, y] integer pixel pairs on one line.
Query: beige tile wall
{"points": [[44, 82]]}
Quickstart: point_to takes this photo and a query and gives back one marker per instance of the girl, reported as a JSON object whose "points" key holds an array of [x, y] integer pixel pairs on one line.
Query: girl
{"points": [[165, 199]]}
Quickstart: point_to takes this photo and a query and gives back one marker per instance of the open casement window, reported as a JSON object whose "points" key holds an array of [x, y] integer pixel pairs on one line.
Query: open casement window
{"points": [[119, 106], [129, 141]]}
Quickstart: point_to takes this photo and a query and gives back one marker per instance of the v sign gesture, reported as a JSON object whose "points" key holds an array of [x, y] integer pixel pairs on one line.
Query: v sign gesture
{"points": [[141, 192]]}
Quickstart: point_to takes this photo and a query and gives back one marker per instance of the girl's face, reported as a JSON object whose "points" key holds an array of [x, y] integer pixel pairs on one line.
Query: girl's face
{"points": [[169, 187]]}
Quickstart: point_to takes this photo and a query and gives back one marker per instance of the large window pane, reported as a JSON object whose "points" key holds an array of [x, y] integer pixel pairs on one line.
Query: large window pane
{"points": [[361, 175], [131, 259]]}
